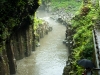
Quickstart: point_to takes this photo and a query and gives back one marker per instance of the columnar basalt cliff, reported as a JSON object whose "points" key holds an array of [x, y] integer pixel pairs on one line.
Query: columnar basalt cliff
{"points": [[16, 32]]}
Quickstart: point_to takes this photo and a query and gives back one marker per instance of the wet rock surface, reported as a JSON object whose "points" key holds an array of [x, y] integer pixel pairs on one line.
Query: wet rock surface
{"points": [[50, 57]]}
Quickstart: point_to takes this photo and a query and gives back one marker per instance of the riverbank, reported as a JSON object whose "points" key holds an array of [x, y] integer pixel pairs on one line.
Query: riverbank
{"points": [[50, 57]]}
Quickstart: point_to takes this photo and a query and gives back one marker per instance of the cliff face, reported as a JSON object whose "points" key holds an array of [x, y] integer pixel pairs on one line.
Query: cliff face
{"points": [[16, 32]]}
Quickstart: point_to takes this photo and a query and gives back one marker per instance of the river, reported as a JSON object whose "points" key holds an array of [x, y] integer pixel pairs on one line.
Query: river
{"points": [[50, 58]]}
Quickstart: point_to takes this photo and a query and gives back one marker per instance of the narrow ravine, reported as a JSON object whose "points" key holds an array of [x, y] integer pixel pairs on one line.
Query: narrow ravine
{"points": [[50, 58]]}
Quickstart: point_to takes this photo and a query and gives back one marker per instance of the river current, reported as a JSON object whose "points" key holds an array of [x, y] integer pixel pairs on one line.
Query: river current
{"points": [[50, 58]]}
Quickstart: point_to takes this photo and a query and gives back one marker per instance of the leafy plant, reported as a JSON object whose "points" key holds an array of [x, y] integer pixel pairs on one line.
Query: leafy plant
{"points": [[83, 40]]}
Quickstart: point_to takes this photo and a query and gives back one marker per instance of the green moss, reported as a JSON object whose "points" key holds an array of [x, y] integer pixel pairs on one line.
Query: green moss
{"points": [[39, 2], [37, 22], [15, 15]]}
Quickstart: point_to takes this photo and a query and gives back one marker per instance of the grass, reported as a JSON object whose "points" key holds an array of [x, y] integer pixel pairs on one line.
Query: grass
{"points": [[68, 5]]}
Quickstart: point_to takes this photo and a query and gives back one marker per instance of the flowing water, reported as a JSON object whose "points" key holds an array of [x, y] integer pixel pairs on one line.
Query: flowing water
{"points": [[50, 58]]}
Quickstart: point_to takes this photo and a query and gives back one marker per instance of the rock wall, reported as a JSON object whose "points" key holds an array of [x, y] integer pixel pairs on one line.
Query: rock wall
{"points": [[4, 66], [17, 33], [41, 31]]}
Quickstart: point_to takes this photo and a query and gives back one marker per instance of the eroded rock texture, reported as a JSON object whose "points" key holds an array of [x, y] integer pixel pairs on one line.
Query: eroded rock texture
{"points": [[16, 32]]}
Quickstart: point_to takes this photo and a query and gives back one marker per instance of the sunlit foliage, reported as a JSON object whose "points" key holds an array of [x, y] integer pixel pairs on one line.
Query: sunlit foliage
{"points": [[37, 22]]}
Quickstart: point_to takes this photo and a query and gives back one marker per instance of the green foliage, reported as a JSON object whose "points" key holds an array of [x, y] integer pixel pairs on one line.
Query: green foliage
{"points": [[39, 2], [37, 22], [69, 6], [14, 15], [83, 40]]}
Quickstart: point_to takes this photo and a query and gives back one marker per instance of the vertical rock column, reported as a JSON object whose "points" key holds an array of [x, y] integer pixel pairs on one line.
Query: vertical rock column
{"points": [[29, 40], [11, 58], [4, 66]]}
